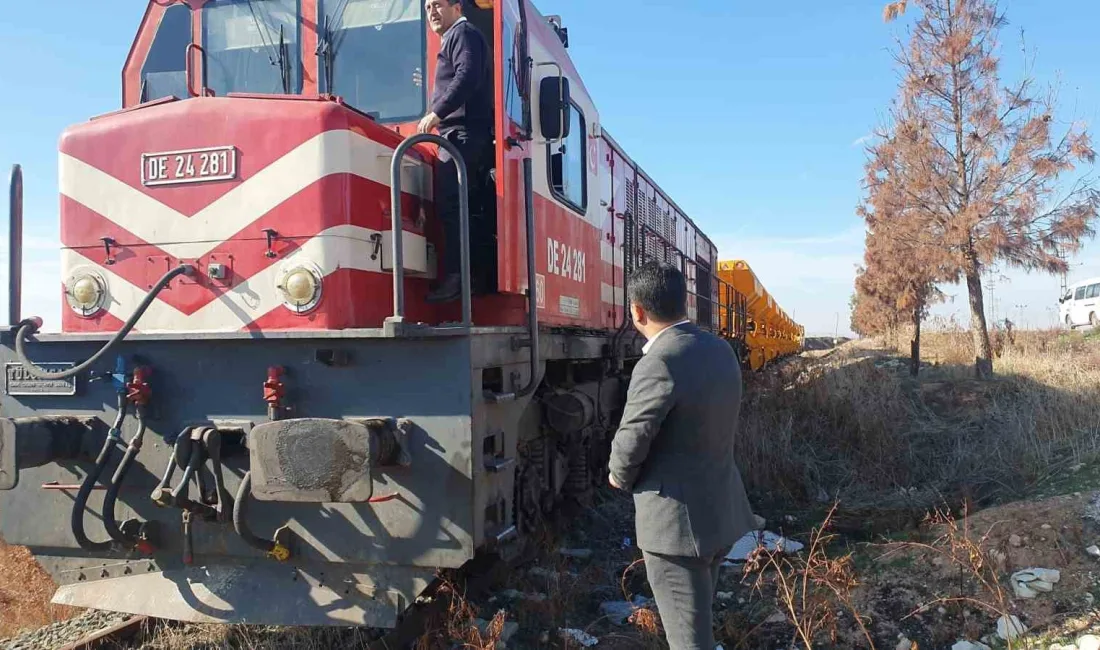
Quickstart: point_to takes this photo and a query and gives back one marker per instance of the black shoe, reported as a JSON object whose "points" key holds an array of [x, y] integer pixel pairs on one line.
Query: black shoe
{"points": [[448, 290]]}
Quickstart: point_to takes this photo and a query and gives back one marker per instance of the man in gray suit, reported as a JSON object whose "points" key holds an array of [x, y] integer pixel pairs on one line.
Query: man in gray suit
{"points": [[674, 452]]}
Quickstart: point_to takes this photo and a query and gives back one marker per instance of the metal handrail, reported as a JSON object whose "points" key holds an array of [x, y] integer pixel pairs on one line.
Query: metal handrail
{"points": [[532, 300], [398, 228], [189, 70], [15, 246]]}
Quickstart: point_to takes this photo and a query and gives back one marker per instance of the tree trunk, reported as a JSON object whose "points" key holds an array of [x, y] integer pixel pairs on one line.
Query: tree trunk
{"points": [[914, 345], [983, 349]]}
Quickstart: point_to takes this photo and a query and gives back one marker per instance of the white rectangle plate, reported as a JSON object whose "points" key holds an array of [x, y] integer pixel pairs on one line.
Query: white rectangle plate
{"points": [[189, 166], [17, 381]]}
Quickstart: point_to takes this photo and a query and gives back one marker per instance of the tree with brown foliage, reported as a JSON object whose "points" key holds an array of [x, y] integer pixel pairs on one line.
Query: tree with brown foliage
{"points": [[899, 280], [870, 314], [977, 162], [895, 279], [903, 268]]}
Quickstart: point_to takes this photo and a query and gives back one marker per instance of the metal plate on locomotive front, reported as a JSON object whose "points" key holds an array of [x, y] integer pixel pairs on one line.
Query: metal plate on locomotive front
{"points": [[20, 383]]}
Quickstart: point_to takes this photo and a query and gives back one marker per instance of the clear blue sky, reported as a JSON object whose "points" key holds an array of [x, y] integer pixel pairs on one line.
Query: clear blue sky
{"points": [[749, 114]]}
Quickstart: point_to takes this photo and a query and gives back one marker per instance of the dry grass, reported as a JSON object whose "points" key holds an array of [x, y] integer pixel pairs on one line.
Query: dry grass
{"points": [[224, 637], [854, 426], [25, 592], [812, 590]]}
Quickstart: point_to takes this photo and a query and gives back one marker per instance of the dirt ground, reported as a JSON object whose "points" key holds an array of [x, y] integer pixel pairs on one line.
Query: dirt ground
{"points": [[25, 592]]}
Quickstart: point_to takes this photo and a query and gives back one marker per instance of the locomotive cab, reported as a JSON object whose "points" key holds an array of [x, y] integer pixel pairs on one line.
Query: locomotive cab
{"points": [[303, 102]]}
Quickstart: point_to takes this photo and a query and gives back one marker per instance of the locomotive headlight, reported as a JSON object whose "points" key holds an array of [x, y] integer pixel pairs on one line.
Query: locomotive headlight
{"points": [[300, 287], [86, 292]]}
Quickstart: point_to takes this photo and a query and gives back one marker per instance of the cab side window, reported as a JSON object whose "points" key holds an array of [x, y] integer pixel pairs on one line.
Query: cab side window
{"points": [[1080, 293], [568, 163], [1093, 292]]}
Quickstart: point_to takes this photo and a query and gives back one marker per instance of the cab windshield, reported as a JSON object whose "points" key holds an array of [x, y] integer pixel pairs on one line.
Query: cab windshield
{"points": [[252, 46], [372, 53]]}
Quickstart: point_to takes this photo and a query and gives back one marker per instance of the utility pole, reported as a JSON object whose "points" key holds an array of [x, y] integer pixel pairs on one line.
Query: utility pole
{"points": [[993, 297], [1061, 254]]}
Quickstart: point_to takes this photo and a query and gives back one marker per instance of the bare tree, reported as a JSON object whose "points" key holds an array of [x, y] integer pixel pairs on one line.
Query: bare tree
{"points": [[977, 161]]}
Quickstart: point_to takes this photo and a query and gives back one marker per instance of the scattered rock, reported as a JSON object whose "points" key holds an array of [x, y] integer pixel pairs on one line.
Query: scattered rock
{"points": [[1015, 541], [760, 522], [65, 632], [777, 617], [1010, 627], [1088, 642], [903, 643], [578, 553], [970, 645], [581, 637], [724, 596], [1092, 508], [1046, 527], [1029, 582], [618, 611], [512, 594], [1093, 550]]}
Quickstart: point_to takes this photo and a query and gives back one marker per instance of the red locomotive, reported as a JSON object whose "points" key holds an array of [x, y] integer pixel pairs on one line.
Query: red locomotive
{"points": [[250, 390]]}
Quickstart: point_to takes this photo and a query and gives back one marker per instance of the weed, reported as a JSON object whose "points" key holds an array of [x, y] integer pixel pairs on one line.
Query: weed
{"points": [[810, 589]]}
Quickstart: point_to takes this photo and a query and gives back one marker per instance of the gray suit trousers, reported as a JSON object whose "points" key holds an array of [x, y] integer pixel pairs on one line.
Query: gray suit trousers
{"points": [[684, 588]]}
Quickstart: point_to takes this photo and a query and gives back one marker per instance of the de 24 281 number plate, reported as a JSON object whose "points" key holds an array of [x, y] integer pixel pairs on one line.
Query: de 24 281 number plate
{"points": [[189, 166]]}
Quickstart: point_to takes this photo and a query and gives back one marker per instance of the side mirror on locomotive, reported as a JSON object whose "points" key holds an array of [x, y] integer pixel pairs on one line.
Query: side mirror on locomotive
{"points": [[554, 108]]}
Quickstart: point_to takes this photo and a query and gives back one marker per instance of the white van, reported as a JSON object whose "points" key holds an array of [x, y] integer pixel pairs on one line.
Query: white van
{"points": [[1081, 304]]}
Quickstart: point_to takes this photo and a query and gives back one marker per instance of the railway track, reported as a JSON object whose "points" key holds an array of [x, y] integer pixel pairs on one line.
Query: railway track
{"points": [[132, 629]]}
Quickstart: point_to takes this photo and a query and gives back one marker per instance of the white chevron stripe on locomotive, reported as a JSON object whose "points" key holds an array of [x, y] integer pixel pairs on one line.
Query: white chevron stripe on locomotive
{"points": [[333, 152], [340, 247]]}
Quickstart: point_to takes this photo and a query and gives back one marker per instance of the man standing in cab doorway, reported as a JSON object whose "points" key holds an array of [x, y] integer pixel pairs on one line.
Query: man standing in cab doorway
{"points": [[674, 451], [462, 110]]}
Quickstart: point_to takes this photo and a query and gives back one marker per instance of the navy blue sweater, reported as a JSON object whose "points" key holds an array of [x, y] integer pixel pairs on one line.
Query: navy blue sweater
{"points": [[463, 81]]}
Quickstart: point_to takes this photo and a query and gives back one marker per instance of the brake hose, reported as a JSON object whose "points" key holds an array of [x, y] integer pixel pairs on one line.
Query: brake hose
{"points": [[76, 520], [270, 547], [29, 327], [109, 521]]}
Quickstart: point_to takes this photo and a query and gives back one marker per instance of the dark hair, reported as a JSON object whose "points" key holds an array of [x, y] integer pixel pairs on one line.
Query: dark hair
{"points": [[660, 289]]}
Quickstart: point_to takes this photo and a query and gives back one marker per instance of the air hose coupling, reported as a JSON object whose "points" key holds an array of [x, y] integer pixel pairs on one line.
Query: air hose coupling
{"points": [[279, 552]]}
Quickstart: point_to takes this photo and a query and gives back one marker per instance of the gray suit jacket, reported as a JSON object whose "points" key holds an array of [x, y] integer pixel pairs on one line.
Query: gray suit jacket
{"points": [[674, 446]]}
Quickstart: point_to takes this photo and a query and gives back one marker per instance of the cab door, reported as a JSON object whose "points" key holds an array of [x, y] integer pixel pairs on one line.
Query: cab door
{"points": [[512, 128]]}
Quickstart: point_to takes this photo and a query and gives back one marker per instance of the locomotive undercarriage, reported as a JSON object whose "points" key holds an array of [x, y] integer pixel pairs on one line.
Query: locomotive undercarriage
{"points": [[383, 460]]}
